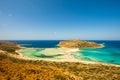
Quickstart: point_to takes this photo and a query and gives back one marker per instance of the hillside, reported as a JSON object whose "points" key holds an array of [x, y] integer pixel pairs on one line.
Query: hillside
{"points": [[9, 47], [17, 69], [79, 44]]}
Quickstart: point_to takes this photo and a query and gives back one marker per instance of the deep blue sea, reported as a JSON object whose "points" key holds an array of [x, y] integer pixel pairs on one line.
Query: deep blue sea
{"points": [[109, 54]]}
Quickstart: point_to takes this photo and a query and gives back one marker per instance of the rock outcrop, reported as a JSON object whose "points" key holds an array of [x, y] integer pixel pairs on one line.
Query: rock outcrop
{"points": [[9, 46], [79, 44]]}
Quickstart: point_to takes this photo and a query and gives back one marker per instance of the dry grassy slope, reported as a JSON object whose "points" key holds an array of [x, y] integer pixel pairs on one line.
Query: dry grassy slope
{"points": [[78, 44], [9, 47], [14, 69], [18, 69]]}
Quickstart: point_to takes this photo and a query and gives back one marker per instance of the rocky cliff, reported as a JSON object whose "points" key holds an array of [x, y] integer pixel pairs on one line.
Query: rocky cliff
{"points": [[79, 44]]}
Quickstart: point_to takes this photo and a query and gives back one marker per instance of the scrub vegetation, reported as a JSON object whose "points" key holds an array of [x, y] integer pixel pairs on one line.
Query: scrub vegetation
{"points": [[9, 47], [18, 69], [12, 68]]}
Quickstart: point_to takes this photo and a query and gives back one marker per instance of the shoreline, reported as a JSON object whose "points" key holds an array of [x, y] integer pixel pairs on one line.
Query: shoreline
{"points": [[67, 58], [76, 70]]}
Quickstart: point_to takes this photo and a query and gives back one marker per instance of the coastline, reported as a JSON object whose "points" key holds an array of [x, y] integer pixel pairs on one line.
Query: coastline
{"points": [[67, 58], [49, 52], [50, 69]]}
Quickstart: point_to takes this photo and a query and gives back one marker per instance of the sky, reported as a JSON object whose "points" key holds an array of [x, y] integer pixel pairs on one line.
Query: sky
{"points": [[59, 19]]}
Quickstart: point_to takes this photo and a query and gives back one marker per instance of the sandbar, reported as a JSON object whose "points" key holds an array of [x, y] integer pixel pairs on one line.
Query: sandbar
{"points": [[67, 52]]}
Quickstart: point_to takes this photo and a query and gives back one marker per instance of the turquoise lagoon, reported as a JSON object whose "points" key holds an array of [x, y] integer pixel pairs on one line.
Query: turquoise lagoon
{"points": [[109, 54]]}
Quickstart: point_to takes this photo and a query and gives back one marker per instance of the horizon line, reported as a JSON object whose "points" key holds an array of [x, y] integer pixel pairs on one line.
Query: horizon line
{"points": [[55, 39]]}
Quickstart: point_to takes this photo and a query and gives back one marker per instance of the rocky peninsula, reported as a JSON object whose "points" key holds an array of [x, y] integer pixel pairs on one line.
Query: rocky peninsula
{"points": [[9, 47], [79, 44]]}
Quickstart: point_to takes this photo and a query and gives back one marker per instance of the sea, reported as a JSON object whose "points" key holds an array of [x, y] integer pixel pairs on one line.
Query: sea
{"points": [[110, 53]]}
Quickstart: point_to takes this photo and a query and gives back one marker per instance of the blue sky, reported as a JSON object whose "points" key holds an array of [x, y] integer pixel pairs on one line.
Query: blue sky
{"points": [[59, 19]]}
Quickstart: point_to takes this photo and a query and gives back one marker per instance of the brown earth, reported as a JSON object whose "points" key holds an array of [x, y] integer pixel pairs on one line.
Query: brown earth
{"points": [[9, 47], [79, 44]]}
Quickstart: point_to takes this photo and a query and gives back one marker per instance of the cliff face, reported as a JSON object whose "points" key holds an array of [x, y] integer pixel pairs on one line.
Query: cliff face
{"points": [[79, 44]]}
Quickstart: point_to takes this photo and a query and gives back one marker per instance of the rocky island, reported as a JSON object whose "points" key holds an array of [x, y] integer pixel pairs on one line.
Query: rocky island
{"points": [[79, 44]]}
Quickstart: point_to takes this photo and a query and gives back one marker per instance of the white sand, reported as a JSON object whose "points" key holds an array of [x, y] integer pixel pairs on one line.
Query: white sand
{"points": [[53, 51], [68, 57]]}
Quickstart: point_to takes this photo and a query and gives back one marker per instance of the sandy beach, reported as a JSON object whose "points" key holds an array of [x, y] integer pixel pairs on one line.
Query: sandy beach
{"points": [[52, 51], [67, 64], [67, 52]]}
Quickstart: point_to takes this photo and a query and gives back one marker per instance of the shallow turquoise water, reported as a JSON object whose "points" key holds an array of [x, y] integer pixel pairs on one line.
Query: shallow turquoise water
{"points": [[109, 54], [31, 53], [39, 53]]}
